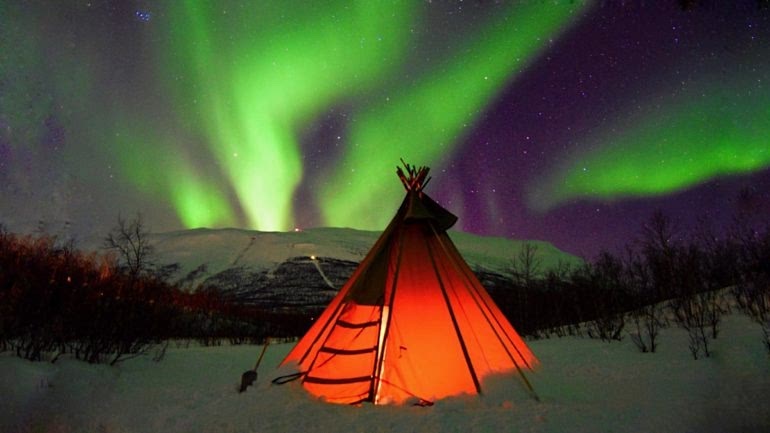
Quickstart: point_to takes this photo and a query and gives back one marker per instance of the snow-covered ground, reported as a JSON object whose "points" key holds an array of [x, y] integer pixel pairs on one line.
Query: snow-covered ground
{"points": [[585, 386]]}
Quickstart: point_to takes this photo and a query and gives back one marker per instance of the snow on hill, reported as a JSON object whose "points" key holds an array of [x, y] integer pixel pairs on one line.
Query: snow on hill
{"points": [[584, 385], [226, 248], [304, 269]]}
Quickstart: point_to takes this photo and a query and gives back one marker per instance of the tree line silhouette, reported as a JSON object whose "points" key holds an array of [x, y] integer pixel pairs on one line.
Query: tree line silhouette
{"points": [[55, 300], [106, 308], [663, 278]]}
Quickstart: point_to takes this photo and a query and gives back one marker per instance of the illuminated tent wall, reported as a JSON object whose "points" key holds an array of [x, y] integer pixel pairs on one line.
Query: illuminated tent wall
{"points": [[413, 322]]}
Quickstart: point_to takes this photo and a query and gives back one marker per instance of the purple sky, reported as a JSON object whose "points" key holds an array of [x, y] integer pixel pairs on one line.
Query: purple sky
{"points": [[620, 64]]}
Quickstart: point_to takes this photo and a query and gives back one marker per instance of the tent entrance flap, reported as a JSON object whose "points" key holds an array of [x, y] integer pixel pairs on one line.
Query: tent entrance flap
{"points": [[341, 369]]}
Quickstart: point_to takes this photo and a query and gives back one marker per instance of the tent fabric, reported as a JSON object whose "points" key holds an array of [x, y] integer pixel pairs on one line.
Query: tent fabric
{"points": [[412, 322]]}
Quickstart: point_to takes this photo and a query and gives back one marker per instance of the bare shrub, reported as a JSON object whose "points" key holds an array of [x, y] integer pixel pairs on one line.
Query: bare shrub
{"points": [[130, 240], [698, 307], [648, 321], [605, 278]]}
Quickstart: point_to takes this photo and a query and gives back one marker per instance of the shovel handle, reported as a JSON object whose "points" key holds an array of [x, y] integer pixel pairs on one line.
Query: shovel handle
{"points": [[262, 354]]}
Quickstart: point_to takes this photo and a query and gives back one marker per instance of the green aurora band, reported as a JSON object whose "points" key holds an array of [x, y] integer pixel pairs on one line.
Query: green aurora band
{"points": [[704, 133], [255, 77], [197, 201], [247, 81], [424, 122]]}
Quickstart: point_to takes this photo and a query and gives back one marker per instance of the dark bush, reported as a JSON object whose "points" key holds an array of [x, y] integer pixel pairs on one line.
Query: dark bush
{"points": [[57, 301]]}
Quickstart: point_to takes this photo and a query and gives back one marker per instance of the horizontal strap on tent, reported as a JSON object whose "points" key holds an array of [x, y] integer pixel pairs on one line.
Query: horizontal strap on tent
{"points": [[340, 381], [280, 380], [347, 351], [351, 325]]}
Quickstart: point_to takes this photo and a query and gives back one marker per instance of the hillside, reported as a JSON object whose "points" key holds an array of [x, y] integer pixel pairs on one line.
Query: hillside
{"points": [[305, 268], [222, 249]]}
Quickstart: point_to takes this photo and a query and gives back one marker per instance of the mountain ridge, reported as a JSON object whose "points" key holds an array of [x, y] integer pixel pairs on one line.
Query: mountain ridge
{"points": [[221, 249]]}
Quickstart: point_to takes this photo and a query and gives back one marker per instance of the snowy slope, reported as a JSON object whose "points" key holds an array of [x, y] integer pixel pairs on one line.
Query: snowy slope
{"points": [[585, 386], [221, 249], [304, 269]]}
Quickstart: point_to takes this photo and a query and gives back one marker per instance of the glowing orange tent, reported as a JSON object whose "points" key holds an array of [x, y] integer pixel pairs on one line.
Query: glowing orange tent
{"points": [[413, 322]]}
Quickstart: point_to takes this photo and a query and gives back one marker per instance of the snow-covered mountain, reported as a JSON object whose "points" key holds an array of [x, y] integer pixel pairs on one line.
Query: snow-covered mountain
{"points": [[306, 268]]}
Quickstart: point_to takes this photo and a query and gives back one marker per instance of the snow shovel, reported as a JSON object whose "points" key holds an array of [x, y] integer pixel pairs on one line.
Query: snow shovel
{"points": [[250, 376]]}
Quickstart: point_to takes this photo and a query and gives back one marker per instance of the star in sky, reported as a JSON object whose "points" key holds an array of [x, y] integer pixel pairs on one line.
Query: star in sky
{"points": [[564, 121]]}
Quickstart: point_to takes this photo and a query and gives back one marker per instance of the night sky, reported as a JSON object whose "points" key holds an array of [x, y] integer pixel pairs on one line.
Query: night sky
{"points": [[565, 121]]}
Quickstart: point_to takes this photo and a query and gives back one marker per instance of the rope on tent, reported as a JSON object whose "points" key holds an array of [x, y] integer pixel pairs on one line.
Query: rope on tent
{"points": [[424, 402], [280, 380]]}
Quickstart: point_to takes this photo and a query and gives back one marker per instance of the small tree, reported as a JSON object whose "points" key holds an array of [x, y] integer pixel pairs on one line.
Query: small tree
{"points": [[130, 241], [649, 318], [659, 248], [697, 307], [752, 293], [607, 284], [525, 267]]}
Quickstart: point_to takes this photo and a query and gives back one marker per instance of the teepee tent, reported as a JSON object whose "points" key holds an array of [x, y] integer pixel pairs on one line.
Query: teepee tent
{"points": [[412, 322]]}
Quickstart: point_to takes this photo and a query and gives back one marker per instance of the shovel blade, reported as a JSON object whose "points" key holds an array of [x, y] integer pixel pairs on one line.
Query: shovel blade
{"points": [[247, 379]]}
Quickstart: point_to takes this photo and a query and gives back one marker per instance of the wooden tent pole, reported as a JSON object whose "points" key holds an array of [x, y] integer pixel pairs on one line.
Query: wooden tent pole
{"points": [[452, 316], [470, 283], [380, 357]]}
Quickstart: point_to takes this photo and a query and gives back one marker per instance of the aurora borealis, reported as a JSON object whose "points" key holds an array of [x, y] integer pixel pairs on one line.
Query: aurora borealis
{"points": [[697, 136], [566, 121]]}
